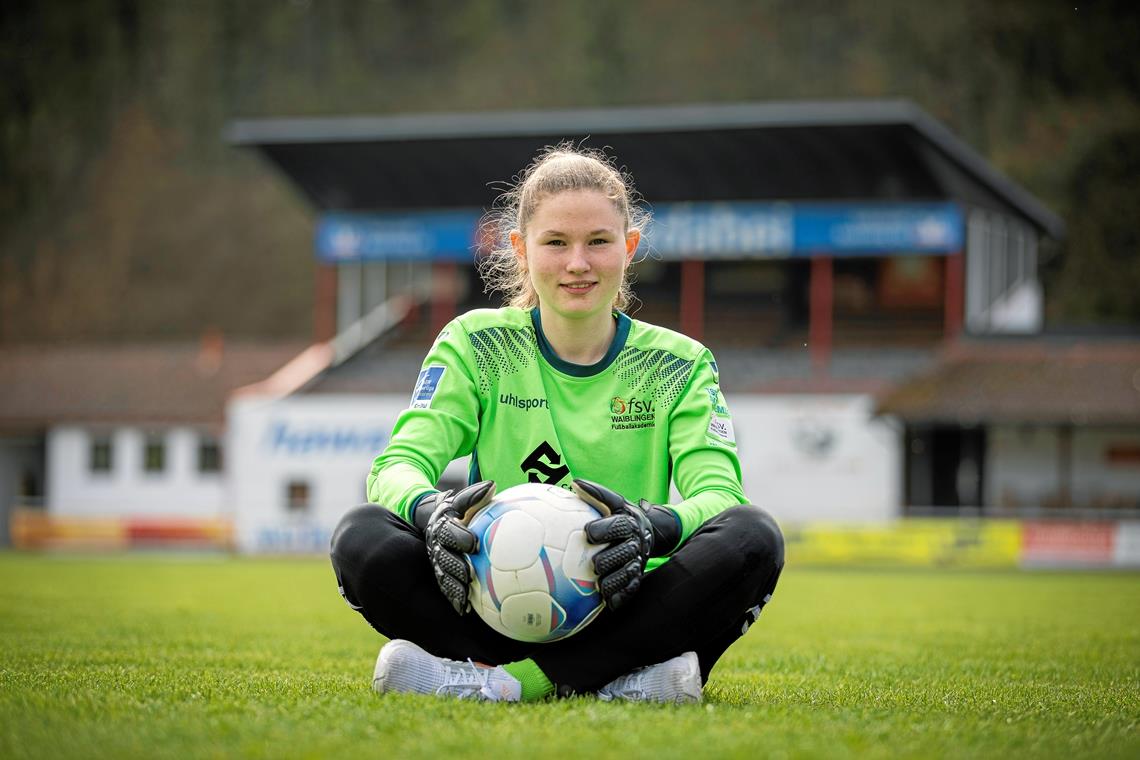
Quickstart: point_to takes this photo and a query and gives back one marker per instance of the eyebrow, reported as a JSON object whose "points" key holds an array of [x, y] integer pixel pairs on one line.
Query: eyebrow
{"points": [[601, 231]]}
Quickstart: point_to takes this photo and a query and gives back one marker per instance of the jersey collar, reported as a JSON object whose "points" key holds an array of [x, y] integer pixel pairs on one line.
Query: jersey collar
{"points": [[581, 370]]}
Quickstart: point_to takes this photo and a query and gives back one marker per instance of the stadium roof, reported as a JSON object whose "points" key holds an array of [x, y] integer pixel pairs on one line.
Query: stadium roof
{"points": [[834, 150], [188, 383], [1039, 381]]}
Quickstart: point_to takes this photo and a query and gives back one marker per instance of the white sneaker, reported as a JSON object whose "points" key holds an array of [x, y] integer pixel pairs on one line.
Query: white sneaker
{"points": [[404, 667], [676, 680]]}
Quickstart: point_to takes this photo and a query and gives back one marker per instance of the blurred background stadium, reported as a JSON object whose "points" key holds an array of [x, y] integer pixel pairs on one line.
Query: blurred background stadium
{"points": [[909, 231]]}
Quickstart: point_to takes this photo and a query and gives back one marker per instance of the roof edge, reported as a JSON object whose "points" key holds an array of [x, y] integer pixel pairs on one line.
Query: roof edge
{"points": [[974, 163], [522, 123]]}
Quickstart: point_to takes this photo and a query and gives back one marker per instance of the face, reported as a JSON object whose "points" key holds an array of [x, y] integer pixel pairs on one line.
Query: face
{"points": [[575, 251]]}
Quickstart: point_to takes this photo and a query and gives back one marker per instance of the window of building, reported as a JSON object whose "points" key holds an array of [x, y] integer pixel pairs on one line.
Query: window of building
{"points": [[29, 485], [154, 454], [298, 496], [101, 454], [944, 467], [209, 454]]}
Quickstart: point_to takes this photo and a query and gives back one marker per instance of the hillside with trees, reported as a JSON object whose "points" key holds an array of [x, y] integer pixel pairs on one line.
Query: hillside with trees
{"points": [[125, 216]]}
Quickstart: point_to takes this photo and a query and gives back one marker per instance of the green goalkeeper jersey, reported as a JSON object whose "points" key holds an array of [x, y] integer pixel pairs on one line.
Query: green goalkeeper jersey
{"points": [[491, 386]]}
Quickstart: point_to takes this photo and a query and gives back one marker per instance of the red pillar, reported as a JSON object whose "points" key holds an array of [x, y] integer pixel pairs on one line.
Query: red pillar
{"points": [[324, 303], [955, 298], [693, 298], [819, 310], [443, 293]]}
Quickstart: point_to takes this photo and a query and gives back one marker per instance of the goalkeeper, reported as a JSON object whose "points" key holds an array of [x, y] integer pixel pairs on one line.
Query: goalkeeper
{"points": [[561, 387]]}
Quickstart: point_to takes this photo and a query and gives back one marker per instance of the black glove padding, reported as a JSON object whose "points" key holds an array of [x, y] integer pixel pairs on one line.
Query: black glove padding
{"points": [[448, 538], [629, 535]]}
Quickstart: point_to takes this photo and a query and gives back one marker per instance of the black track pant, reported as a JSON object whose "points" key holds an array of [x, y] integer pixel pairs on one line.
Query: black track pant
{"points": [[701, 600]]}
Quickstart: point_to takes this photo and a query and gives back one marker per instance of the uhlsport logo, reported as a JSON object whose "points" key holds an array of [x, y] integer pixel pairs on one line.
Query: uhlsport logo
{"points": [[632, 413], [526, 404]]}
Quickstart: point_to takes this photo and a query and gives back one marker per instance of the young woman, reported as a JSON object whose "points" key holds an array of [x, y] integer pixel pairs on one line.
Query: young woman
{"points": [[562, 387]]}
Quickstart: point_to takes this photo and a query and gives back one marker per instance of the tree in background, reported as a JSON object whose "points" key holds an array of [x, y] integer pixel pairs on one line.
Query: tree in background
{"points": [[123, 214], [1099, 280]]}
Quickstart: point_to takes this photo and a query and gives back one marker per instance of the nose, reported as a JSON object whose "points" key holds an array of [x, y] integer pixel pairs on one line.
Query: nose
{"points": [[577, 261]]}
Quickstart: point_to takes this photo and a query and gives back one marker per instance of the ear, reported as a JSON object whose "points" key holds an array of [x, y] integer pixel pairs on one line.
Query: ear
{"points": [[518, 242], [632, 240]]}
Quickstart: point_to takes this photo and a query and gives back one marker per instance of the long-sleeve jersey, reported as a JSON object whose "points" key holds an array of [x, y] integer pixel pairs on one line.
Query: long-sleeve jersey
{"points": [[648, 412]]}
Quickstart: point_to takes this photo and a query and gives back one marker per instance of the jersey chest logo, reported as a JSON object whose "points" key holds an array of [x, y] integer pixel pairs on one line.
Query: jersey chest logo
{"points": [[632, 413], [544, 465]]}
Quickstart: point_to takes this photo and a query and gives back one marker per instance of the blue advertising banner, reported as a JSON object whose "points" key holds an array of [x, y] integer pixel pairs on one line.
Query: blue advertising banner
{"points": [[730, 230], [405, 236], [739, 230], [879, 228], [777, 230]]}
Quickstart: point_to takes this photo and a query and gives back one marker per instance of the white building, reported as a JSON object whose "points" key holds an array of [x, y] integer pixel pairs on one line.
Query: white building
{"points": [[118, 433]]}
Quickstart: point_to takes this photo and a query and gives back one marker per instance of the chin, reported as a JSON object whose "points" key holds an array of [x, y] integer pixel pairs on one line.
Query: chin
{"points": [[577, 310], [579, 307]]}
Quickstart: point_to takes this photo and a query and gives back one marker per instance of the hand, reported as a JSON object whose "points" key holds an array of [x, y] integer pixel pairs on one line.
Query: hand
{"points": [[629, 538], [448, 538]]}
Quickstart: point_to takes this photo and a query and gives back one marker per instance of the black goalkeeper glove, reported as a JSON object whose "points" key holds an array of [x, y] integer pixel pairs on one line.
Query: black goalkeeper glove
{"points": [[443, 519], [633, 534]]}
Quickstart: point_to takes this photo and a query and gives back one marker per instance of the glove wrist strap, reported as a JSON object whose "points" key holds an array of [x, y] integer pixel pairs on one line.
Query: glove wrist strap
{"points": [[666, 526], [422, 509]]}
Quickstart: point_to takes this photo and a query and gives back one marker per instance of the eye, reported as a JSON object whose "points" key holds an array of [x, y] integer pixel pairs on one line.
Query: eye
{"points": [[556, 241], [599, 241]]}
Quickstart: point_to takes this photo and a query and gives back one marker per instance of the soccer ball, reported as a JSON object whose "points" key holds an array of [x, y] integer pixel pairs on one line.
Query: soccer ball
{"points": [[533, 575]]}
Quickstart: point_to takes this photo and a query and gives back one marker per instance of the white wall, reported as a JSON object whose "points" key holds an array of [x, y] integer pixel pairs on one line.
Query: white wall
{"points": [[1003, 294], [1023, 467], [804, 458], [1019, 310], [327, 441], [179, 490], [818, 457]]}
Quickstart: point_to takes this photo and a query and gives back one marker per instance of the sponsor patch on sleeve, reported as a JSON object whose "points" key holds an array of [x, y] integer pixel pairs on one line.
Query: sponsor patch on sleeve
{"points": [[717, 401], [720, 428], [426, 386]]}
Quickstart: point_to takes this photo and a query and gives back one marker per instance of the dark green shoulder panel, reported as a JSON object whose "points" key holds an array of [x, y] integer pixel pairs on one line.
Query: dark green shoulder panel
{"points": [[501, 351], [655, 372], [659, 360], [502, 341]]}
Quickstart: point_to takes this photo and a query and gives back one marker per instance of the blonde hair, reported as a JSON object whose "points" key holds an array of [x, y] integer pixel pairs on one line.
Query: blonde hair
{"points": [[555, 169]]}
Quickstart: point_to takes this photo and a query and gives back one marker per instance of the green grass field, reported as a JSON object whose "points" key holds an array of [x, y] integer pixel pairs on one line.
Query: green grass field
{"points": [[174, 656]]}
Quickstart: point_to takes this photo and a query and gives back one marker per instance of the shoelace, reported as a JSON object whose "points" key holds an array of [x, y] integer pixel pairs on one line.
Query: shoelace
{"points": [[631, 686], [466, 682]]}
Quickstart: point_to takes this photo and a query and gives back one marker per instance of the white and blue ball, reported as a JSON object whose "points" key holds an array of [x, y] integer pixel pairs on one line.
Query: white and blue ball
{"points": [[533, 575]]}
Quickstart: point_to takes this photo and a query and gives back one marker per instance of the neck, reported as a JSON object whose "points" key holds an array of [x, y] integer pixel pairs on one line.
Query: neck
{"points": [[579, 341]]}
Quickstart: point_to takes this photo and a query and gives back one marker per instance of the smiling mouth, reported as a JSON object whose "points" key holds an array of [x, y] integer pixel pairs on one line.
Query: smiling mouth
{"points": [[578, 287]]}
